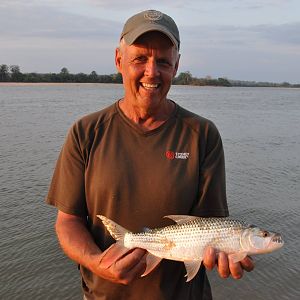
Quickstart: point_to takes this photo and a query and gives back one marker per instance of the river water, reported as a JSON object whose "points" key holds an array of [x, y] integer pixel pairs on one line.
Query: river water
{"points": [[260, 128]]}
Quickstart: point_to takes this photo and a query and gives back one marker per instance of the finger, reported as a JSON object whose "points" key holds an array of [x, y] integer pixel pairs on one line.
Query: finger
{"points": [[129, 267], [235, 269], [223, 265], [247, 264], [112, 254], [209, 258], [135, 272], [131, 259]]}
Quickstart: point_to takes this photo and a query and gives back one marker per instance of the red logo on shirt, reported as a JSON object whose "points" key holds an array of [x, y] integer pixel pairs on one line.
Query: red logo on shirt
{"points": [[177, 155], [170, 155]]}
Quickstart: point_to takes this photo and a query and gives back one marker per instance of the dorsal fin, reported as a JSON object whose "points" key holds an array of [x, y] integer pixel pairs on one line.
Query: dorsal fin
{"points": [[181, 219]]}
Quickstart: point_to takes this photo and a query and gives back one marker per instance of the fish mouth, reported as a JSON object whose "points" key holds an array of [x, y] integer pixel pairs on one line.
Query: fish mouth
{"points": [[277, 239]]}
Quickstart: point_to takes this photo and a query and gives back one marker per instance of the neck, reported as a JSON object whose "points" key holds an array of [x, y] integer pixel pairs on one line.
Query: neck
{"points": [[145, 118]]}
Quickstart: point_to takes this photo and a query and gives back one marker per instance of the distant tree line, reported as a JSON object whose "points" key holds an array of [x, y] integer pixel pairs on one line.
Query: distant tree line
{"points": [[186, 78], [13, 73], [262, 84]]}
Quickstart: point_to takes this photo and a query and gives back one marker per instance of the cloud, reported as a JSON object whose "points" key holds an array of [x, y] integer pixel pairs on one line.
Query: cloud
{"points": [[44, 39], [151, 4], [284, 35], [264, 52], [188, 3], [46, 35], [279, 34], [45, 22], [250, 3]]}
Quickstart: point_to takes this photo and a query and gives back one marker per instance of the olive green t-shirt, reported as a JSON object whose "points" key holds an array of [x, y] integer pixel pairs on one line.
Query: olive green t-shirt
{"points": [[109, 166]]}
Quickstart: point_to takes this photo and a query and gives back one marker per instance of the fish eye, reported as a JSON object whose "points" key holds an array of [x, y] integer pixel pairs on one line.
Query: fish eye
{"points": [[265, 234]]}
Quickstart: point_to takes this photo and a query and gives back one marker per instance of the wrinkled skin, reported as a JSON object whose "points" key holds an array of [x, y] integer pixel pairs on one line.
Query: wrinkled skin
{"points": [[120, 265], [147, 68]]}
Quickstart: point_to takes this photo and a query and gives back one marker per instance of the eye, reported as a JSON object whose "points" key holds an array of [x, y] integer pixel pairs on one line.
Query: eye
{"points": [[163, 62], [140, 59], [265, 234]]}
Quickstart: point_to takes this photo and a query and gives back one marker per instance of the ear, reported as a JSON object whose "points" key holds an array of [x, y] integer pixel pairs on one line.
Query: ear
{"points": [[118, 60], [176, 66]]}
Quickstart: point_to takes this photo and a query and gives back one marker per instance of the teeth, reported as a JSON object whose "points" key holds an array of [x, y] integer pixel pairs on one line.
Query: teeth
{"points": [[277, 239], [149, 85]]}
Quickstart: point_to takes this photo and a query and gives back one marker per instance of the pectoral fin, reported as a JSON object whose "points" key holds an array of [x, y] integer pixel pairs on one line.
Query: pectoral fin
{"points": [[152, 262], [192, 268], [236, 257]]}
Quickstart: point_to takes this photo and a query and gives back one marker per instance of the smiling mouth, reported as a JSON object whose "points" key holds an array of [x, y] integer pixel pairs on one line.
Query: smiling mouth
{"points": [[150, 86]]}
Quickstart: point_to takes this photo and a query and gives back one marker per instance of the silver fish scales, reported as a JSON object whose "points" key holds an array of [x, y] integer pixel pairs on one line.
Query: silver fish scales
{"points": [[187, 240]]}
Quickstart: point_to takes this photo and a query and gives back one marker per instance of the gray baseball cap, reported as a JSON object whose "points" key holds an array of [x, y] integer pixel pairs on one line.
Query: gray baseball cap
{"points": [[150, 20]]}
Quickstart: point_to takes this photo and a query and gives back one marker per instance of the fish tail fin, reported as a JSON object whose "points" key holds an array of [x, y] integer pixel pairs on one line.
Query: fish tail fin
{"points": [[116, 231]]}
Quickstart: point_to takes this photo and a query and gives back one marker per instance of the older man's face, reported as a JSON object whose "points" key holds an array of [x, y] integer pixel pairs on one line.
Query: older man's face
{"points": [[148, 67]]}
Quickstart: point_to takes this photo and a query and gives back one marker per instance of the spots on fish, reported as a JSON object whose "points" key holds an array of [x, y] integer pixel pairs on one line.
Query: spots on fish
{"points": [[186, 241]]}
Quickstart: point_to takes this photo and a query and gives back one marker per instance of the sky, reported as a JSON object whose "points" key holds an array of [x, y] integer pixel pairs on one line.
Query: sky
{"points": [[236, 39]]}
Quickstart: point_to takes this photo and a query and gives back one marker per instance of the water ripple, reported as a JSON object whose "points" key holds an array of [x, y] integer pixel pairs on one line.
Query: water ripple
{"points": [[262, 146]]}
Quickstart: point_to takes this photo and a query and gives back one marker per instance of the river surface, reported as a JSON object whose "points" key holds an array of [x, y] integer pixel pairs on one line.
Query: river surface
{"points": [[260, 128]]}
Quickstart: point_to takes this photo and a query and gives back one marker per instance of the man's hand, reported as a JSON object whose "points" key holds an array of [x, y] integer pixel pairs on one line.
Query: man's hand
{"points": [[120, 265], [225, 265], [117, 263]]}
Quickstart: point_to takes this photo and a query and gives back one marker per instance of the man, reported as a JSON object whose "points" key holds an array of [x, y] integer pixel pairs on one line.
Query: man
{"points": [[134, 162]]}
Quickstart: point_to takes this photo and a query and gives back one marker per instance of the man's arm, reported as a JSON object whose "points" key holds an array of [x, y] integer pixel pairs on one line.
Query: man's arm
{"points": [[117, 263]]}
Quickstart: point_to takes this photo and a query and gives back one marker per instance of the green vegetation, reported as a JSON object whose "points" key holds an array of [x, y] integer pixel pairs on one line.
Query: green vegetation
{"points": [[186, 78], [13, 74]]}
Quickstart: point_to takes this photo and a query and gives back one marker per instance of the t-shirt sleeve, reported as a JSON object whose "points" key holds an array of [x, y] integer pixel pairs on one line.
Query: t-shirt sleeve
{"points": [[67, 188], [211, 200]]}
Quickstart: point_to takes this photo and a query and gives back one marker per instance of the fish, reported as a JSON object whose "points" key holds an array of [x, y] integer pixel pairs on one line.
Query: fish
{"points": [[186, 240]]}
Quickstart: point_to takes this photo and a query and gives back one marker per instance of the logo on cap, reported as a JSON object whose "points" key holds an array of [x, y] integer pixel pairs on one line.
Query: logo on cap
{"points": [[153, 15]]}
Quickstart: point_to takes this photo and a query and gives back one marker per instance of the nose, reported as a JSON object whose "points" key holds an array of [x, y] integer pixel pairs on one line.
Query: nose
{"points": [[151, 69]]}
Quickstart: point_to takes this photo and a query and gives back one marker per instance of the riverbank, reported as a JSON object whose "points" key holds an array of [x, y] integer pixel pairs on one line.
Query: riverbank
{"points": [[20, 84], [49, 83]]}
